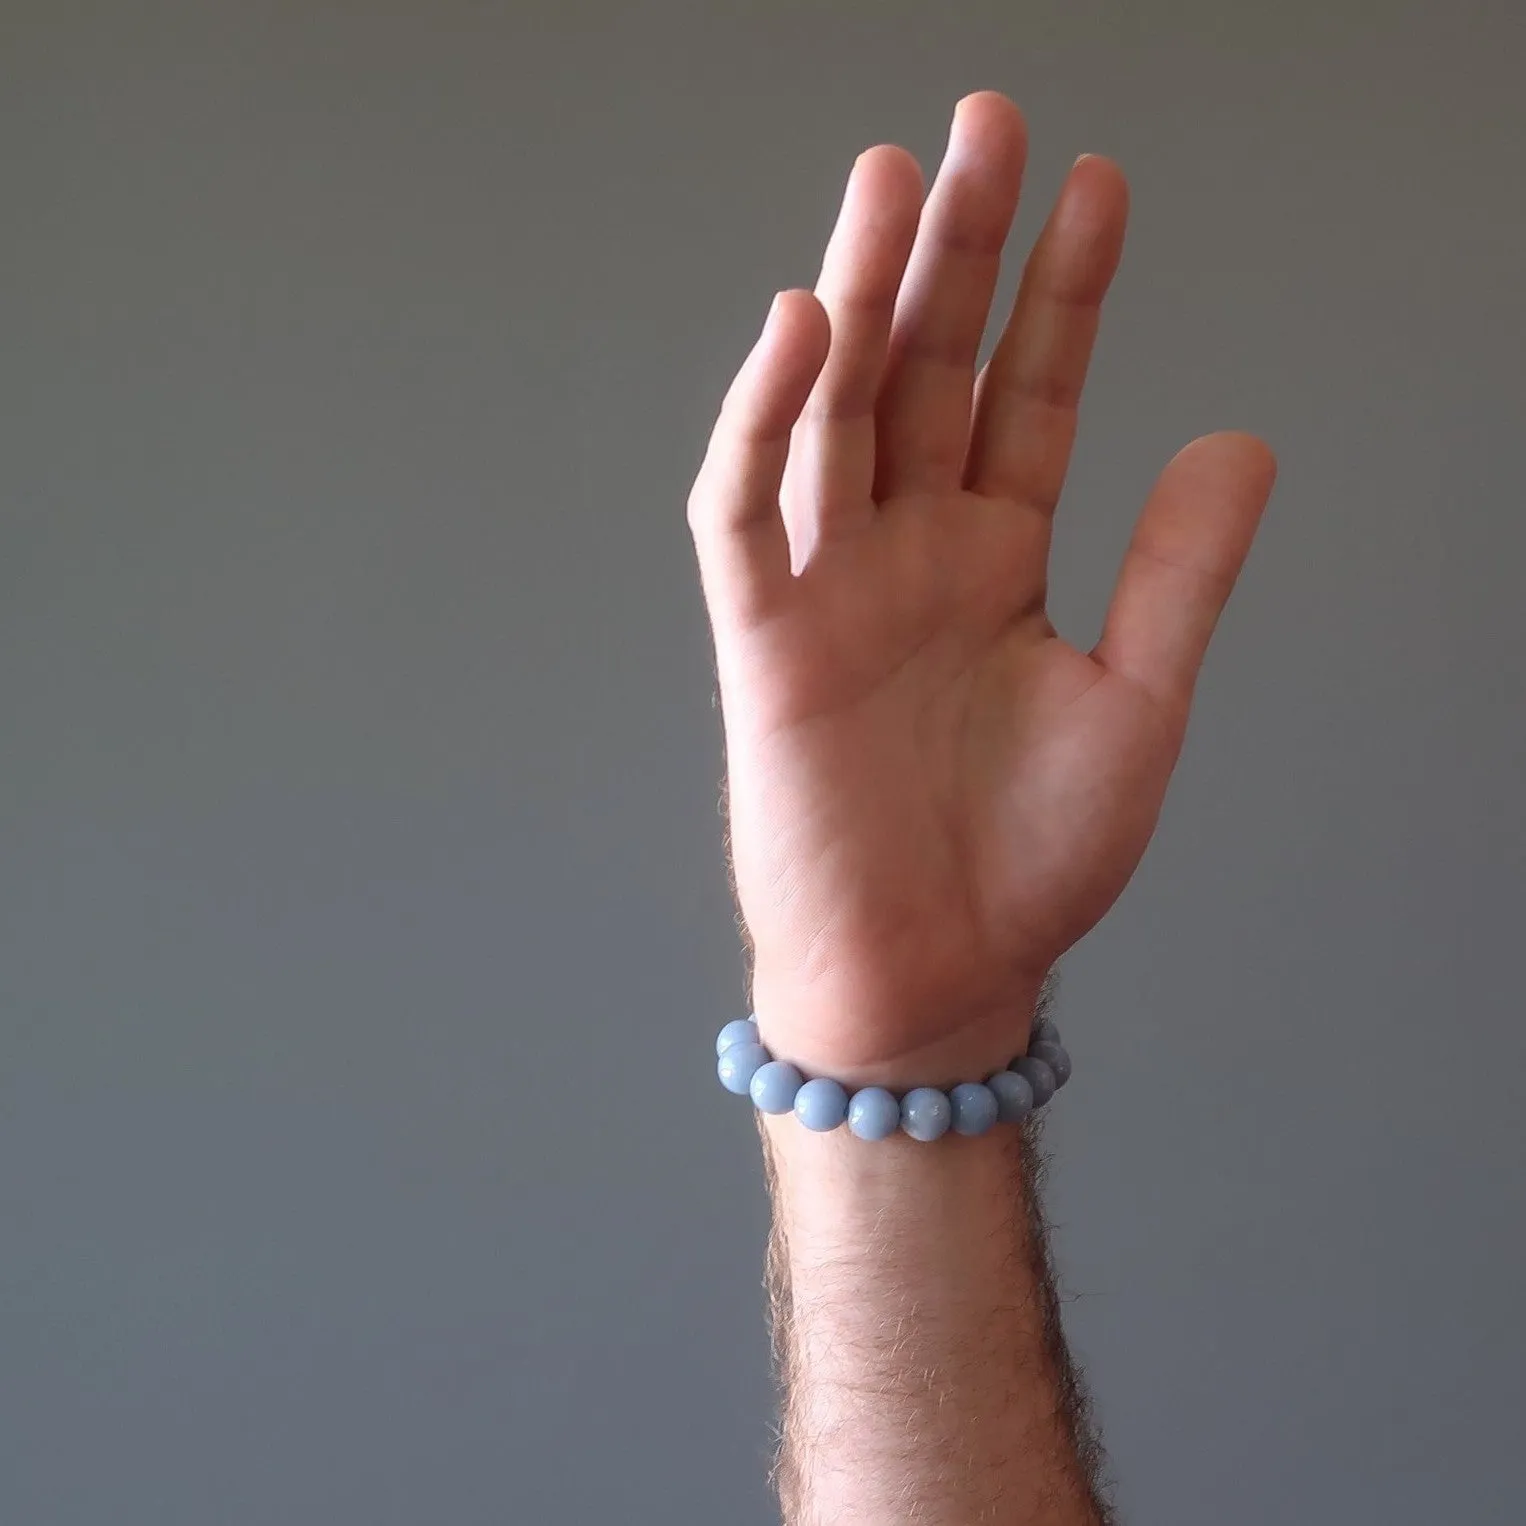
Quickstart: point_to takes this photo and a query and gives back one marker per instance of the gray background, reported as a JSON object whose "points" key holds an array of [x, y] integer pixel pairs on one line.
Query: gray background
{"points": [[363, 924]]}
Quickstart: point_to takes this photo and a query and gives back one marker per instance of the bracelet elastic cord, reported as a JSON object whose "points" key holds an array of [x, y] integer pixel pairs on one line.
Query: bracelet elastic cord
{"points": [[747, 1069]]}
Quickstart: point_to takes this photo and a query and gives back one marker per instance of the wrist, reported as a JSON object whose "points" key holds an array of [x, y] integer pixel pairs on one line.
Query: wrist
{"points": [[892, 1202], [943, 1039]]}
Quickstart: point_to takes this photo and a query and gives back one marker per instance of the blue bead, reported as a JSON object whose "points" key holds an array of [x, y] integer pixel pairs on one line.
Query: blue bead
{"points": [[1038, 1075], [1044, 1032], [925, 1113], [1014, 1096], [774, 1086], [874, 1113], [1055, 1056], [738, 1064], [742, 1031], [821, 1105], [973, 1107]]}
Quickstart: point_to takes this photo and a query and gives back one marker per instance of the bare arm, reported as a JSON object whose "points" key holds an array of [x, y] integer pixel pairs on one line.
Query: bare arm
{"points": [[933, 795], [922, 1366]]}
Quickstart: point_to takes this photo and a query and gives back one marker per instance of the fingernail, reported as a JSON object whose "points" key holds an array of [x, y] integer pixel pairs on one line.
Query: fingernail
{"points": [[1081, 159]]}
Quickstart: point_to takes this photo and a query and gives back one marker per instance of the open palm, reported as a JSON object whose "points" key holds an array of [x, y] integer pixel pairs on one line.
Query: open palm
{"points": [[932, 796]]}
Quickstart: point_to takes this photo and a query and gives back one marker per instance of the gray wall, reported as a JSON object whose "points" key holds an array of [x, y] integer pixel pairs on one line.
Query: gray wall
{"points": [[363, 925]]}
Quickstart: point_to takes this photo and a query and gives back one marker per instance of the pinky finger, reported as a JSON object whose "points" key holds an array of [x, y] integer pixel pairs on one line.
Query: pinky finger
{"points": [[734, 516], [1187, 550]]}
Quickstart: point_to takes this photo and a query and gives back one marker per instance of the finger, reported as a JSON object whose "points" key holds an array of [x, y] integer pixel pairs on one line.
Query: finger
{"points": [[1030, 391], [1188, 547], [733, 509], [923, 424], [829, 481]]}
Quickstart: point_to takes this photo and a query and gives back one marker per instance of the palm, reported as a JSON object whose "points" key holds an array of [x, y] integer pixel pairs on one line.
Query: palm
{"points": [[932, 795]]}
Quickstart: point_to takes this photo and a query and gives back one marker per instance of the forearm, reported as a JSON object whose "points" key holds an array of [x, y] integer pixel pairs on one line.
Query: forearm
{"points": [[924, 1376]]}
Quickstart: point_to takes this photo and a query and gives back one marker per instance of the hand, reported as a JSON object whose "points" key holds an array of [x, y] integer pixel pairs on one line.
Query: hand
{"points": [[932, 796]]}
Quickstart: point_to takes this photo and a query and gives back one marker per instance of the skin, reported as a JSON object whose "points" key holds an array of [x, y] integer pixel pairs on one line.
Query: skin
{"points": [[932, 794]]}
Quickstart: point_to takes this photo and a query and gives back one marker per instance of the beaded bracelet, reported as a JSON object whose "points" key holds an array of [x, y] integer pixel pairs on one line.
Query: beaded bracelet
{"points": [[775, 1086]]}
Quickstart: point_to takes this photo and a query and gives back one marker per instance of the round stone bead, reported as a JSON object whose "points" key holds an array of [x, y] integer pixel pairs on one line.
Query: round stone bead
{"points": [[774, 1086], [1044, 1032], [1038, 1075], [738, 1064], [1014, 1096], [1055, 1056], [874, 1113], [972, 1107], [742, 1031], [926, 1113], [821, 1105]]}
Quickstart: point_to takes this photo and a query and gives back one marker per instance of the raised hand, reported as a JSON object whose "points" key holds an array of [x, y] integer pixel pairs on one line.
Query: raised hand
{"points": [[932, 795]]}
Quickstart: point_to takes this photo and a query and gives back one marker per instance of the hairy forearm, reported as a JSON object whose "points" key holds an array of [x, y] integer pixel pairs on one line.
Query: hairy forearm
{"points": [[924, 1377]]}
